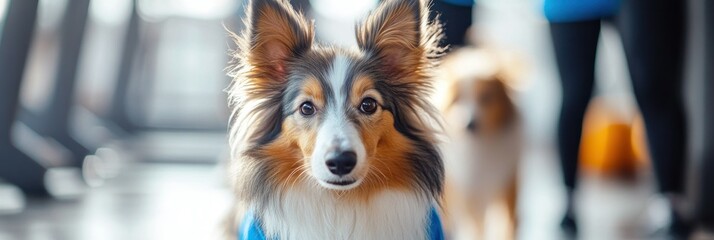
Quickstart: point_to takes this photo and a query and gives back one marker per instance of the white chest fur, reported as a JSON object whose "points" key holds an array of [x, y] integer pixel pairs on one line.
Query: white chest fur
{"points": [[312, 213]]}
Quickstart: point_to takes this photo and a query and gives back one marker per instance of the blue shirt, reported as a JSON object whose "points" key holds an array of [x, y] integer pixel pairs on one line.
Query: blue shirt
{"points": [[250, 228], [579, 10]]}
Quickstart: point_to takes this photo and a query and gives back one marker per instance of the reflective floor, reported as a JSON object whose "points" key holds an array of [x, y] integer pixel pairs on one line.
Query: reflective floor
{"points": [[187, 201], [147, 201]]}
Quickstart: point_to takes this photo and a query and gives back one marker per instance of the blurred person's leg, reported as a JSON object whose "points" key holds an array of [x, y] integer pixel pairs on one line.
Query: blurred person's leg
{"points": [[653, 33], [575, 45], [456, 20], [15, 166], [705, 207]]}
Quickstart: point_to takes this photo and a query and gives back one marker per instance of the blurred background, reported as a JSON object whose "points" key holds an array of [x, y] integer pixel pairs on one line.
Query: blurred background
{"points": [[113, 117]]}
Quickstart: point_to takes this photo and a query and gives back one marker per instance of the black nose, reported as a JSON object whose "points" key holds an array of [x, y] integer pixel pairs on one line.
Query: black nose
{"points": [[343, 163], [472, 125]]}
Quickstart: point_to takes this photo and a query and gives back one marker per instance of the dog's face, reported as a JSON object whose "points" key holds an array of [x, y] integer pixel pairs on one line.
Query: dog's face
{"points": [[337, 119], [477, 100], [343, 119], [479, 106]]}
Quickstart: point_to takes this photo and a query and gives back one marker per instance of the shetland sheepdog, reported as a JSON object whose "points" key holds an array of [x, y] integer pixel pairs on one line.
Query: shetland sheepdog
{"points": [[481, 155], [335, 143]]}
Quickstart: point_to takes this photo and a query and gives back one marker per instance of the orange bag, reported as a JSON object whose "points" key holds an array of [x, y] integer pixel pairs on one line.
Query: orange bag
{"points": [[611, 145]]}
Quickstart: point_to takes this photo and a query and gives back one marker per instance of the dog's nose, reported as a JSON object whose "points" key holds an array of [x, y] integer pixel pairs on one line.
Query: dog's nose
{"points": [[343, 163], [472, 125]]}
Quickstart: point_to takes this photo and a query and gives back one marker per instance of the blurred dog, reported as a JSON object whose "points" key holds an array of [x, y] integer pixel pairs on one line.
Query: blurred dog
{"points": [[483, 149], [333, 143]]}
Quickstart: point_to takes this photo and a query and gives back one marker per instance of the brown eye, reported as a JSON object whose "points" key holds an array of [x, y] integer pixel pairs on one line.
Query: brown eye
{"points": [[307, 109], [368, 106]]}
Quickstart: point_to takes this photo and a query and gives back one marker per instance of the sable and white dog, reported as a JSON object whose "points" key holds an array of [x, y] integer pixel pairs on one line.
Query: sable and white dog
{"points": [[332, 143], [483, 149]]}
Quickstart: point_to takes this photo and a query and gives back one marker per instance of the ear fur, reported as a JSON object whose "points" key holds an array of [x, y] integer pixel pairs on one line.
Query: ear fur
{"points": [[274, 34], [399, 33]]}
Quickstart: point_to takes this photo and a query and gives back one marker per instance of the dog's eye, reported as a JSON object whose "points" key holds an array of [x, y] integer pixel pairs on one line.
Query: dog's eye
{"points": [[307, 109], [368, 106]]}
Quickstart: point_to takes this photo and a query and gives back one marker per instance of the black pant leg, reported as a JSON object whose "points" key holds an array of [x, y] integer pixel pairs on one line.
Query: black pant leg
{"points": [[705, 208], [653, 33], [575, 45]]}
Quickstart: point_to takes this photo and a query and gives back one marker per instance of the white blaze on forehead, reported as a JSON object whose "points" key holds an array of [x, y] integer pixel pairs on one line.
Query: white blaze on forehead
{"points": [[336, 118], [337, 77], [337, 133]]}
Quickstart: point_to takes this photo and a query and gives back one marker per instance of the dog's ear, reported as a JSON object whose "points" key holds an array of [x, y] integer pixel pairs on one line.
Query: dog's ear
{"points": [[399, 33], [276, 32]]}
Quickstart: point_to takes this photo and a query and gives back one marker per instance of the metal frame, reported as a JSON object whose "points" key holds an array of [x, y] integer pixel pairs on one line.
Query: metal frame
{"points": [[117, 112], [53, 121], [16, 167]]}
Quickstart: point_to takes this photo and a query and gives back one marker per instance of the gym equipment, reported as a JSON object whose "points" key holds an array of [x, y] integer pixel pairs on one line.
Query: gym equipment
{"points": [[53, 121], [16, 167]]}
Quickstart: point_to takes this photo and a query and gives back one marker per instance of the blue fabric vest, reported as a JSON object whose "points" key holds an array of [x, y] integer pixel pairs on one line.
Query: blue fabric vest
{"points": [[579, 10], [250, 228]]}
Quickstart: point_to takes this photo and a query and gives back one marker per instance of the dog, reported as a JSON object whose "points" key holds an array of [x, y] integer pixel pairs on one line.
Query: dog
{"points": [[335, 143], [483, 148]]}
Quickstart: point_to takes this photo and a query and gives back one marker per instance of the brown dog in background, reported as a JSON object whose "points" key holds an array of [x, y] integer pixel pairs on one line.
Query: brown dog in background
{"points": [[483, 149]]}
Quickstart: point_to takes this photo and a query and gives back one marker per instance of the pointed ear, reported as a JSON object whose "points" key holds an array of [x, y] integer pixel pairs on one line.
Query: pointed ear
{"points": [[276, 33], [399, 33]]}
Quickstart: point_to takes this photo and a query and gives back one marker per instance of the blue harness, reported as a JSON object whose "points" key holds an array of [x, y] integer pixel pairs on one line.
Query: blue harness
{"points": [[250, 228]]}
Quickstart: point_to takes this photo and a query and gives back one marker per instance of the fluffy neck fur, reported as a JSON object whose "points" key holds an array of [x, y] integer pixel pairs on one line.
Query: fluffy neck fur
{"points": [[308, 212]]}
